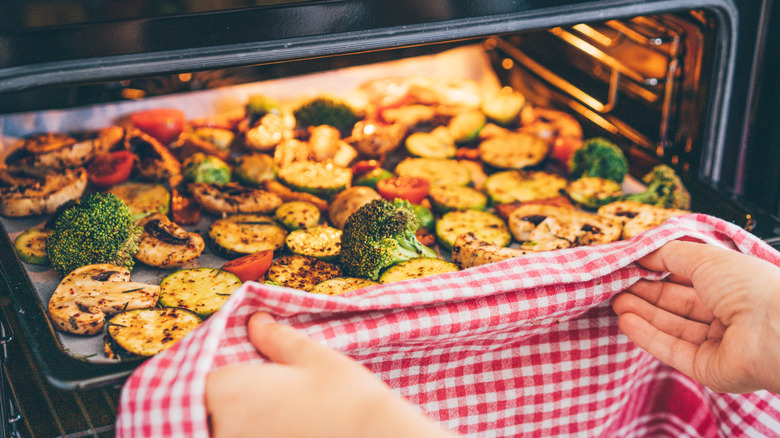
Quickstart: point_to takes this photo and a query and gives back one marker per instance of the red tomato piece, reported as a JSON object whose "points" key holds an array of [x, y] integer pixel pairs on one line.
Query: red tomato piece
{"points": [[411, 188], [563, 148], [250, 267], [164, 124], [364, 166], [109, 169]]}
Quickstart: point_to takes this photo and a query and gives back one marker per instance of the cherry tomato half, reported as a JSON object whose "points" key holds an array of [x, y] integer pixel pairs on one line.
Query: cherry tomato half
{"points": [[364, 166], [109, 169], [164, 124], [411, 188], [250, 267], [563, 148]]}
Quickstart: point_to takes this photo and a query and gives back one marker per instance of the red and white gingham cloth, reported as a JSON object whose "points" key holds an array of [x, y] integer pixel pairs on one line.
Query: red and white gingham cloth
{"points": [[528, 346]]}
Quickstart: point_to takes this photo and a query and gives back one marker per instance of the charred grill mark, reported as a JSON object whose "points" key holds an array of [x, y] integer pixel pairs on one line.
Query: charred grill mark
{"points": [[628, 214], [535, 219], [158, 231], [588, 228], [104, 275]]}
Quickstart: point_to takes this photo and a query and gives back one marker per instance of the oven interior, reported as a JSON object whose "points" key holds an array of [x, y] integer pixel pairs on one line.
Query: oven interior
{"points": [[654, 84]]}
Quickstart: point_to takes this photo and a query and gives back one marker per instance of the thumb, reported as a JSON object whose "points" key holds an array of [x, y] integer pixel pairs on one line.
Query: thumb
{"points": [[280, 343]]}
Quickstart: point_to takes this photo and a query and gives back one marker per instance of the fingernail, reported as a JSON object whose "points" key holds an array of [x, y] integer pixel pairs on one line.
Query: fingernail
{"points": [[261, 318]]}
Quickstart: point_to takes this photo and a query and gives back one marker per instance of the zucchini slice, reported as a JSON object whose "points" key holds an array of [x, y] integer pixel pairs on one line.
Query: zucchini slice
{"points": [[513, 151], [341, 285], [143, 199], [503, 106], [449, 198], [438, 171], [592, 192], [319, 179], [146, 332], [301, 272], [31, 245], [200, 290], [253, 169], [323, 242], [296, 215], [243, 234], [416, 268], [519, 186], [485, 226], [465, 127], [429, 145]]}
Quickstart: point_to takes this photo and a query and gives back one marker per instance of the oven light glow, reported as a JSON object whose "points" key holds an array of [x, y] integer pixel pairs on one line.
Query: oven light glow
{"points": [[507, 63], [185, 77]]}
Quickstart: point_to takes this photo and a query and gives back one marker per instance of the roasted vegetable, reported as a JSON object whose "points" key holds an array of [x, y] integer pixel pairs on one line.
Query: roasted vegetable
{"points": [[202, 168], [600, 158], [326, 111], [258, 105], [378, 235], [593, 192], [97, 228], [664, 189]]}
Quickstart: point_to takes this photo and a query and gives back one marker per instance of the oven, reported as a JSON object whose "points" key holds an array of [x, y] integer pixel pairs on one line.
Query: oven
{"points": [[685, 83]]}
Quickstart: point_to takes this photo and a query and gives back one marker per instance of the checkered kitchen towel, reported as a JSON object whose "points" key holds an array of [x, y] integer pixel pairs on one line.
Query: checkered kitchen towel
{"points": [[527, 346]]}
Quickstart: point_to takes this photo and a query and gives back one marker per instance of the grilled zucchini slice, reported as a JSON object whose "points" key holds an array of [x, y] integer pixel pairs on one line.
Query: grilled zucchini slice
{"points": [[438, 171], [242, 234], [523, 186], [146, 332], [465, 127], [30, 245], [323, 242], [319, 179], [416, 268], [503, 106], [200, 290], [296, 215], [449, 198], [485, 226], [253, 169], [301, 272], [430, 145], [143, 199], [516, 150], [592, 192], [341, 285]]}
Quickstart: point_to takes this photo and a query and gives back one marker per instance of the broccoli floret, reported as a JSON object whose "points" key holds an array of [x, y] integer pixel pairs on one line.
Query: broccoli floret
{"points": [[326, 111], [97, 228], [258, 106], [378, 235], [664, 189], [425, 219], [598, 157]]}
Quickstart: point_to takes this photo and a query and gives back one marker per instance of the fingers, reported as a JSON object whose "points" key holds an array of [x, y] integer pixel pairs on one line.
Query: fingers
{"points": [[675, 298], [281, 343], [675, 352], [669, 323]]}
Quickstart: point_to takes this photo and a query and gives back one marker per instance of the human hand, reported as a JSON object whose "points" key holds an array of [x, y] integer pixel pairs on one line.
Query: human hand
{"points": [[716, 318], [307, 391]]}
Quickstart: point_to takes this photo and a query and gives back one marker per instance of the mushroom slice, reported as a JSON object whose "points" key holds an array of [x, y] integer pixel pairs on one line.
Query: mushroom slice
{"points": [[374, 139], [85, 296], [155, 161], [166, 245], [76, 154], [469, 251], [638, 217], [34, 191], [234, 198], [547, 227]]}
